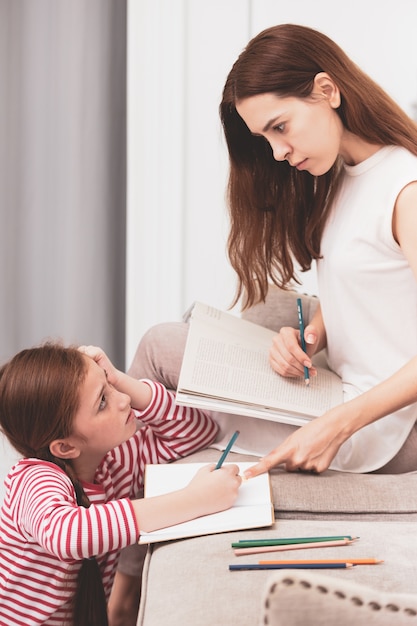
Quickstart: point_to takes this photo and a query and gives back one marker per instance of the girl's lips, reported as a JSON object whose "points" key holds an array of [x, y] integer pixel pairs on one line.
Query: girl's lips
{"points": [[131, 416]]}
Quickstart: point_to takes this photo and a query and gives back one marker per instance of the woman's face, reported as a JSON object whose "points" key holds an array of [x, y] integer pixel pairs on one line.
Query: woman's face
{"points": [[306, 132]]}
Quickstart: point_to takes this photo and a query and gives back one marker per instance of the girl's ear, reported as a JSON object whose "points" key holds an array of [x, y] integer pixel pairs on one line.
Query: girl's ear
{"points": [[61, 449], [325, 86]]}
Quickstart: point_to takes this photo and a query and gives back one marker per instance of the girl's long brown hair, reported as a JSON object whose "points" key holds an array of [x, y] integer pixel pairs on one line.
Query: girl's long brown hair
{"points": [[39, 397], [277, 213]]}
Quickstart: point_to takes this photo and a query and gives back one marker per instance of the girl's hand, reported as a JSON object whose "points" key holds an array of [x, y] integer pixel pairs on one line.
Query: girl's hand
{"points": [[286, 356], [210, 491], [215, 490], [101, 358], [139, 392]]}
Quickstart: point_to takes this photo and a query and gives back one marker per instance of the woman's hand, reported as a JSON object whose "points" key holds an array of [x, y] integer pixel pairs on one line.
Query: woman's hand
{"points": [[309, 448], [286, 356]]}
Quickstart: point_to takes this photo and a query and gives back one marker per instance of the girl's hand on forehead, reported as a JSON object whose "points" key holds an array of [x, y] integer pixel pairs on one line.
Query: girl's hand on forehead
{"points": [[100, 357]]}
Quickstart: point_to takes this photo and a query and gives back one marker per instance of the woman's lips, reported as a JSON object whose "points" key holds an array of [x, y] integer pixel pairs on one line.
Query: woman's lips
{"points": [[301, 165]]}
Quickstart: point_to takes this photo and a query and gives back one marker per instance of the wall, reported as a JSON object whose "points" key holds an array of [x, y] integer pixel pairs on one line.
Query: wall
{"points": [[62, 175], [179, 56]]}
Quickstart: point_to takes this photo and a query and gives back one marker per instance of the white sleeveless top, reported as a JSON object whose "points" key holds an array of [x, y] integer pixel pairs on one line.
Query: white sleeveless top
{"points": [[368, 297]]}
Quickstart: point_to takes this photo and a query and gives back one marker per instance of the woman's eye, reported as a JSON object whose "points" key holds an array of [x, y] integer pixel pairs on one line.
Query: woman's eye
{"points": [[103, 403], [280, 128]]}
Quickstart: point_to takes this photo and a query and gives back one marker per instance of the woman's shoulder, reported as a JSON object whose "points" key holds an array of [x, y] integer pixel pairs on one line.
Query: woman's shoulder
{"points": [[401, 155]]}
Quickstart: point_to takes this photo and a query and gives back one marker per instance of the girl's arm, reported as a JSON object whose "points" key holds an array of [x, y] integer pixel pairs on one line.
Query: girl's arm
{"points": [[169, 431], [49, 515], [208, 492]]}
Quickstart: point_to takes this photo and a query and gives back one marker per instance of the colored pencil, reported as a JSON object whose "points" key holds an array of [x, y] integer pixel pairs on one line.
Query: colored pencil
{"points": [[227, 450], [303, 342], [366, 561], [257, 566], [255, 543], [292, 546]]}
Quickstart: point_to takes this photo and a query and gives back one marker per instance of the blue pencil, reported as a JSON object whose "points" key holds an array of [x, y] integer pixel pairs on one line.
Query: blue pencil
{"points": [[259, 566], [227, 450], [303, 342]]}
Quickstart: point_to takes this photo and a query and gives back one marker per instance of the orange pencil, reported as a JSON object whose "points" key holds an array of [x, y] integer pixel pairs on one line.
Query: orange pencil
{"points": [[292, 546], [370, 561]]}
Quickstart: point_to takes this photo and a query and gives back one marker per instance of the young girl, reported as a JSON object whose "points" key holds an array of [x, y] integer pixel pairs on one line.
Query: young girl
{"points": [[69, 506]]}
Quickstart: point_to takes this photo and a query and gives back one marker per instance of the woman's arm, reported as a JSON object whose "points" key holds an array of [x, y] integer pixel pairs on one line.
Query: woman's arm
{"points": [[314, 446]]}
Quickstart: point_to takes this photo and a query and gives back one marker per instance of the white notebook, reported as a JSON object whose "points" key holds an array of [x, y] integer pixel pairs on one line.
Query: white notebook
{"points": [[253, 507]]}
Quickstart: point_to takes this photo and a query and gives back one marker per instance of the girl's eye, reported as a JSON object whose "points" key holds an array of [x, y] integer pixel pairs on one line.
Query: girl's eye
{"points": [[280, 128], [103, 403]]}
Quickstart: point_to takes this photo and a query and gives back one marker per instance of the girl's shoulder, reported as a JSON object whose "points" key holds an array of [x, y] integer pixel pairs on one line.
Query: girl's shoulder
{"points": [[33, 463], [30, 470]]}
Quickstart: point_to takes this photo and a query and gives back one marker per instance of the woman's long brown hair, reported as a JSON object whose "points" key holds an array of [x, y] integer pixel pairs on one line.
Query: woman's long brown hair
{"points": [[39, 397], [277, 213]]}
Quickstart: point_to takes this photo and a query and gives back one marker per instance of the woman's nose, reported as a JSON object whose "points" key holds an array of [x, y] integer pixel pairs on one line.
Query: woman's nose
{"points": [[280, 151]]}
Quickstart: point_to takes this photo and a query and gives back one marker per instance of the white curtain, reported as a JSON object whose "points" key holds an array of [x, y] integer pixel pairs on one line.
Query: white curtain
{"points": [[62, 173]]}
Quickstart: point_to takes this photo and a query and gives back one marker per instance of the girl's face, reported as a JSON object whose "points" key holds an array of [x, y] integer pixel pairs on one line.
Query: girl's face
{"points": [[105, 418], [305, 132]]}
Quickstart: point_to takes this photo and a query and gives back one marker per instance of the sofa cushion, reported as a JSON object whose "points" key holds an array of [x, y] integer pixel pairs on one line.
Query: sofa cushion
{"points": [[308, 598], [188, 581], [334, 495]]}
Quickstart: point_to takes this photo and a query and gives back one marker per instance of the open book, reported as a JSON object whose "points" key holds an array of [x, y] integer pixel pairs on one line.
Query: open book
{"points": [[253, 507], [226, 368]]}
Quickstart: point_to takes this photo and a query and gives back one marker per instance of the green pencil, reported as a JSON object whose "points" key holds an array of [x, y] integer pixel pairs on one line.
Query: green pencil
{"points": [[255, 543]]}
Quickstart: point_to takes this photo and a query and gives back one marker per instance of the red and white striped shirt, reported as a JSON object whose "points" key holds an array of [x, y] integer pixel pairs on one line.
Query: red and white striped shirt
{"points": [[44, 534]]}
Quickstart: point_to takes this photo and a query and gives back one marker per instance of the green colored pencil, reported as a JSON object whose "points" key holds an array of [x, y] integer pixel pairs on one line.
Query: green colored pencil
{"points": [[255, 543]]}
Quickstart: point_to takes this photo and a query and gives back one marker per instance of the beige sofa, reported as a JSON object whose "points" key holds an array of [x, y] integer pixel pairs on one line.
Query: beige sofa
{"points": [[187, 582]]}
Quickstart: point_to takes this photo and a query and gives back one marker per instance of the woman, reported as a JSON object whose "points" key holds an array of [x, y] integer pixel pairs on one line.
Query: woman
{"points": [[323, 167]]}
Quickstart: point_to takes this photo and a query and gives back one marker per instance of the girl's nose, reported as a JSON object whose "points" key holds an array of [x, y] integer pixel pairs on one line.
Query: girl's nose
{"points": [[124, 400]]}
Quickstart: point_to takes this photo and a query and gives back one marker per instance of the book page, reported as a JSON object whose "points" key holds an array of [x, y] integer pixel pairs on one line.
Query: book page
{"points": [[228, 358], [253, 507]]}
